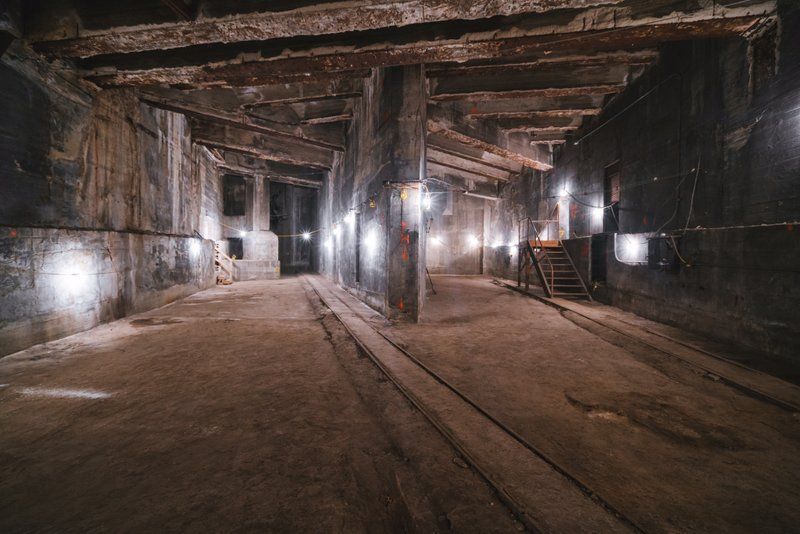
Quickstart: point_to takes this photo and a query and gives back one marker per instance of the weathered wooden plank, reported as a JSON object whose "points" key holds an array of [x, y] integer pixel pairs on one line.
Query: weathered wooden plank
{"points": [[242, 122], [325, 18], [447, 132]]}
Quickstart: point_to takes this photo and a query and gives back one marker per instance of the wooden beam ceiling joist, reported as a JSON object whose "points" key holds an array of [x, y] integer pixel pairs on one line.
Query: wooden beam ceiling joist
{"points": [[256, 153], [312, 97], [437, 144], [556, 82], [547, 130], [527, 123], [636, 26], [322, 19], [531, 104], [479, 167], [531, 115], [602, 59], [242, 122], [549, 92], [328, 120], [302, 182], [447, 132], [461, 168]]}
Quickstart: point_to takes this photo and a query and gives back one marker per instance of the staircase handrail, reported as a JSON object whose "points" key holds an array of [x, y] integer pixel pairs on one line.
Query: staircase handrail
{"points": [[543, 257]]}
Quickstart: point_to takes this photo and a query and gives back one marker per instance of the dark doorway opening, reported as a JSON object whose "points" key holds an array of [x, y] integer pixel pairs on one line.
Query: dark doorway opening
{"points": [[599, 251], [611, 198], [293, 211], [234, 195], [236, 248]]}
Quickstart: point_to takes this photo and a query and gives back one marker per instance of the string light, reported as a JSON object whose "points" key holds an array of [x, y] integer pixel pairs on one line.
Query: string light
{"points": [[242, 233], [426, 201], [371, 241], [306, 236], [194, 247]]}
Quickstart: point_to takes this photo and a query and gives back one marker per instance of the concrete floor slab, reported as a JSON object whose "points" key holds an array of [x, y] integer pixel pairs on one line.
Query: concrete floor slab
{"points": [[544, 498], [668, 446], [244, 407]]}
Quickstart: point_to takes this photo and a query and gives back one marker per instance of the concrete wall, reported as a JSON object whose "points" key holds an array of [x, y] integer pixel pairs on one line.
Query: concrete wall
{"points": [[720, 117], [101, 196], [455, 239], [375, 248]]}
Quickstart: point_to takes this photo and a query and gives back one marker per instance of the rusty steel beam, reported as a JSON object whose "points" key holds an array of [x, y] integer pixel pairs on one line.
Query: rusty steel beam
{"points": [[325, 18], [228, 119], [440, 129]]}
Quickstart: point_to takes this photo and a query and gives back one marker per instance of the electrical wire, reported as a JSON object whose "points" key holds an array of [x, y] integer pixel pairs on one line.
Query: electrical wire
{"points": [[629, 106], [691, 199]]}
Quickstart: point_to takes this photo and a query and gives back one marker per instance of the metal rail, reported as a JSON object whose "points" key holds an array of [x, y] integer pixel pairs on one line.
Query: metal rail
{"points": [[583, 487]]}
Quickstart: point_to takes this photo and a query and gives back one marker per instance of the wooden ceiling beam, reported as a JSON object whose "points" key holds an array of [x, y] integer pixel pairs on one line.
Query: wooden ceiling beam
{"points": [[547, 92], [272, 177], [432, 144], [228, 119], [433, 161], [257, 153], [600, 59], [444, 130], [313, 97], [328, 120], [637, 26], [526, 115], [323, 19]]}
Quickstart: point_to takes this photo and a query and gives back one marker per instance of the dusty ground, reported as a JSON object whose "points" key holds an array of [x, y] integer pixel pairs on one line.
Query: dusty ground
{"points": [[667, 446], [240, 408]]}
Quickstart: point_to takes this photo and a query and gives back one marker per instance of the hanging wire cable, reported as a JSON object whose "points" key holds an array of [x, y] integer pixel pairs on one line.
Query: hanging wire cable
{"points": [[691, 200]]}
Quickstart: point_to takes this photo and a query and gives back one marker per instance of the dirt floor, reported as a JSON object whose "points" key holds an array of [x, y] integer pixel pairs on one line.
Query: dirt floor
{"points": [[671, 448], [243, 408]]}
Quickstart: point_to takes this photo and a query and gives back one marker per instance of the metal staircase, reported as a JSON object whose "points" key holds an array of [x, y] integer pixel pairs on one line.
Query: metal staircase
{"points": [[548, 257]]}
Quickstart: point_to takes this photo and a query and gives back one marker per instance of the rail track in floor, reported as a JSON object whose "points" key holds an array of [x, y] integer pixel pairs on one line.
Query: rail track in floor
{"points": [[327, 297]]}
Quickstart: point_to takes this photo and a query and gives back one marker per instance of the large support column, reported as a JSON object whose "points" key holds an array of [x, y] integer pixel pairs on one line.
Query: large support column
{"points": [[405, 95], [260, 244]]}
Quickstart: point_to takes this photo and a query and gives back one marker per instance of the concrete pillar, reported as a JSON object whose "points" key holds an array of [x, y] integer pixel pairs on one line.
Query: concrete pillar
{"points": [[260, 244], [404, 96]]}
